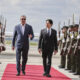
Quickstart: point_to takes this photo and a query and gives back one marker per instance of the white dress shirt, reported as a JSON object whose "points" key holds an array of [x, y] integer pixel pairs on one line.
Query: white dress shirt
{"points": [[50, 30], [23, 28]]}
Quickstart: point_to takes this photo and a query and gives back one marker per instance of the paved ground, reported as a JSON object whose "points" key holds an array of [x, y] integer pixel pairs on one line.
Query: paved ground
{"points": [[34, 58]]}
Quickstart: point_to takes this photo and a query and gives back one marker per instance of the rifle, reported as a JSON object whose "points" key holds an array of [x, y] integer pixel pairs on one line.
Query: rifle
{"points": [[76, 46], [78, 39], [71, 44], [59, 32], [68, 39], [62, 47], [67, 42], [4, 28], [3, 24], [3, 47]]}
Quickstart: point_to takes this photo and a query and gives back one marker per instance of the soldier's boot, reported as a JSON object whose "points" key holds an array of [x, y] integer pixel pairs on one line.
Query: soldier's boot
{"points": [[77, 73], [77, 70]]}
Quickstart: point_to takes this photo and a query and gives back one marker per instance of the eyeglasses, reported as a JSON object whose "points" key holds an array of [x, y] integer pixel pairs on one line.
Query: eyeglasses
{"points": [[23, 19]]}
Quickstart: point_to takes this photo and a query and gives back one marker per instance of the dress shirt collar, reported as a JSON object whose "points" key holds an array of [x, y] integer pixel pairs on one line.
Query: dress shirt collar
{"points": [[49, 29]]}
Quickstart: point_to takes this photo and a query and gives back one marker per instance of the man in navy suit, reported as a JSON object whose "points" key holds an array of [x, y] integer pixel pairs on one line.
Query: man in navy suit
{"points": [[20, 41]]}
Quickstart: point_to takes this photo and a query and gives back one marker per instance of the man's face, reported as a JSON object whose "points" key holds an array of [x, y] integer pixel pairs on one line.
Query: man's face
{"points": [[76, 29], [23, 20], [48, 25], [72, 29], [64, 30]]}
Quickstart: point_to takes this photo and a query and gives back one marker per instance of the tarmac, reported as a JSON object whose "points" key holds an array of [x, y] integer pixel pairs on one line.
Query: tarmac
{"points": [[9, 57]]}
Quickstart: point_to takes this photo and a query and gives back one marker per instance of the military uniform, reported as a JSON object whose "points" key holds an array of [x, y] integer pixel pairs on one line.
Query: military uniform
{"points": [[73, 56], [69, 47], [2, 33], [2, 47], [63, 46], [0, 36], [76, 52], [78, 56], [72, 49]]}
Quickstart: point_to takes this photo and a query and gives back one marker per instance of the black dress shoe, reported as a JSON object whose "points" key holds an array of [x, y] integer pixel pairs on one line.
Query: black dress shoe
{"points": [[75, 73], [44, 74], [18, 74], [23, 72], [48, 75]]}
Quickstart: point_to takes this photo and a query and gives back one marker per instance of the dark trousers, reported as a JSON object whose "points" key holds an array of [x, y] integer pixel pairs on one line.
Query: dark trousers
{"points": [[73, 62], [78, 62], [63, 61], [47, 57], [24, 53], [69, 61]]}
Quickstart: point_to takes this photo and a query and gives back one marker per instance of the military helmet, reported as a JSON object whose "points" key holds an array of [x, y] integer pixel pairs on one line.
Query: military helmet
{"points": [[65, 27], [71, 26], [76, 25]]}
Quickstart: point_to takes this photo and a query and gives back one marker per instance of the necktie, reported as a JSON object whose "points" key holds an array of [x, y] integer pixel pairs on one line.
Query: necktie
{"points": [[49, 32]]}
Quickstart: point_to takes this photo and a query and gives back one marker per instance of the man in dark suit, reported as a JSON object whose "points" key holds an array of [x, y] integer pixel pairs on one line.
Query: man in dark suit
{"points": [[22, 33], [47, 45]]}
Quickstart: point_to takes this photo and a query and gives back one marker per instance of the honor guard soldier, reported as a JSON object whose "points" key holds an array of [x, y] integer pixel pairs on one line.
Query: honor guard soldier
{"points": [[77, 50], [69, 47], [62, 52], [2, 36], [73, 35]]}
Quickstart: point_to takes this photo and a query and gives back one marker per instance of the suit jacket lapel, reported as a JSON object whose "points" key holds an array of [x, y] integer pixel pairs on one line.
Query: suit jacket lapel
{"points": [[25, 29], [20, 29], [46, 34], [51, 32], [45, 31]]}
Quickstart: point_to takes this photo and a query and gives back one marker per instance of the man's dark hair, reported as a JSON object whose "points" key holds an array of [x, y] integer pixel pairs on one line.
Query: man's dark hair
{"points": [[50, 21]]}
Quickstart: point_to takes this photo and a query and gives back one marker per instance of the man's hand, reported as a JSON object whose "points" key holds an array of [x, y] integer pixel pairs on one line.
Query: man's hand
{"points": [[13, 48], [30, 36], [40, 51], [55, 52]]}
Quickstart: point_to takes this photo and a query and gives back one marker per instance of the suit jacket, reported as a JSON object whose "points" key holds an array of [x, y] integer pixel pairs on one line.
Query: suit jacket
{"points": [[20, 39], [46, 42]]}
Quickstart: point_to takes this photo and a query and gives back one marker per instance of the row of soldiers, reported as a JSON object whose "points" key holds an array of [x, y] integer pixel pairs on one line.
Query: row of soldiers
{"points": [[69, 45], [2, 33]]}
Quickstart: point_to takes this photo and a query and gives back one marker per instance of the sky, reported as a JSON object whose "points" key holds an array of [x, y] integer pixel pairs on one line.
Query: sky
{"points": [[37, 11]]}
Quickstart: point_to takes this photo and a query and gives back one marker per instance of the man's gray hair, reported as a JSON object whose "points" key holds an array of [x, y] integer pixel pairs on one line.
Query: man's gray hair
{"points": [[23, 16]]}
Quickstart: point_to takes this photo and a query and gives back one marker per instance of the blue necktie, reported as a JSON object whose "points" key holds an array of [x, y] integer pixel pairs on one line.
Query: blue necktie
{"points": [[49, 32]]}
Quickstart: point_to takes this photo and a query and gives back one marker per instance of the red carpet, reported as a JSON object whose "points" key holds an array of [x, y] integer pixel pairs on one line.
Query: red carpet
{"points": [[33, 72]]}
